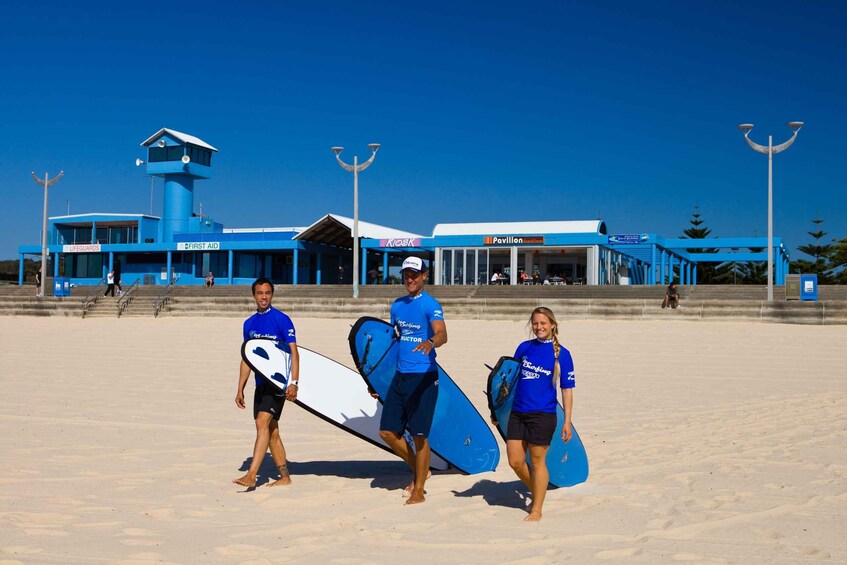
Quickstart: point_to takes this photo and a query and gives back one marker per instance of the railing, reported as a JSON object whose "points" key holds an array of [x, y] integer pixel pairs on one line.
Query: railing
{"points": [[127, 297], [164, 297], [92, 298]]}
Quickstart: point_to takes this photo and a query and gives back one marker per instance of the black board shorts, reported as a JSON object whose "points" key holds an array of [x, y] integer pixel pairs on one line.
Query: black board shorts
{"points": [[268, 398], [536, 428]]}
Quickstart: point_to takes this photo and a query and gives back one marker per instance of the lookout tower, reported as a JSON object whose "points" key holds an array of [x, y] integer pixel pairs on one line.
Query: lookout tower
{"points": [[179, 158]]}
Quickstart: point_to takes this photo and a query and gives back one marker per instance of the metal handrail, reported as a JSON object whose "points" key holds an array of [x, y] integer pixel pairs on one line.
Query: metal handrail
{"points": [[127, 297], [164, 297], [92, 298]]}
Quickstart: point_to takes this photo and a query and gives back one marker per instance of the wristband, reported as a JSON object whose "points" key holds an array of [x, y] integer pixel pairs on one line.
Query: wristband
{"points": [[294, 383], [431, 341]]}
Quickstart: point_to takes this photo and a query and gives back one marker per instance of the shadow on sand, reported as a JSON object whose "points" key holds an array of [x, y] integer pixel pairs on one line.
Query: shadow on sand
{"points": [[388, 475], [510, 495]]}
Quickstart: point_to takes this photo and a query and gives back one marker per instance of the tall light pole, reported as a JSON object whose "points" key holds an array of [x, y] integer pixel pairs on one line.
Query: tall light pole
{"points": [[355, 168], [770, 150], [138, 163], [46, 183]]}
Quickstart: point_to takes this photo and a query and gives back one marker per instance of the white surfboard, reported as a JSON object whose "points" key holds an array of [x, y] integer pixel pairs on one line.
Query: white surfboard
{"points": [[328, 389]]}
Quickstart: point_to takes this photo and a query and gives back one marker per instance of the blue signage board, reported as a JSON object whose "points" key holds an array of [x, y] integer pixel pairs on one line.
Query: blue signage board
{"points": [[627, 238]]}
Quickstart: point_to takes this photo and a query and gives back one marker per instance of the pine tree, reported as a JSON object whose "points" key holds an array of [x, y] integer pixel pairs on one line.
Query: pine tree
{"points": [[821, 266], [817, 250], [754, 272], [838, 261], [707, 273]]}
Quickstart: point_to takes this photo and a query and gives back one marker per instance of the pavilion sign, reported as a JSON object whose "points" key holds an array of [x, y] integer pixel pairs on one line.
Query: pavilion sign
{"points": [[514, 240]]}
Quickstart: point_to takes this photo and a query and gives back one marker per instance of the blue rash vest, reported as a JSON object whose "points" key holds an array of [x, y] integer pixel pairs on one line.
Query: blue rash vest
{"points": [[271, 324], [535, 391], [413, 317]]}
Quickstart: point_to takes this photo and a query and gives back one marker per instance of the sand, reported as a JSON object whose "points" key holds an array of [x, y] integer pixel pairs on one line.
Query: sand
{"points": [[708, 442]]}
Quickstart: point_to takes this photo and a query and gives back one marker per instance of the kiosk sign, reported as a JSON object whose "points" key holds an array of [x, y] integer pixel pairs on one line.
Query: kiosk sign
{"points": [[400, 242], [199, 246]]}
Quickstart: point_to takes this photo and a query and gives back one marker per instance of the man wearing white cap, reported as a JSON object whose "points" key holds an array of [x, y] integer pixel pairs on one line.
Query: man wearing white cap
{"points": [[410, 402]]}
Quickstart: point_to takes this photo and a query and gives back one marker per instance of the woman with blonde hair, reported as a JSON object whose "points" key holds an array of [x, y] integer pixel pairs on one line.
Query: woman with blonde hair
{"points": [[545, 367]]}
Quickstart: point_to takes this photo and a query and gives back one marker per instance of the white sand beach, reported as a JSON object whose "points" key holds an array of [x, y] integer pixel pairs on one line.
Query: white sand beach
{"points": [[708, 442]]}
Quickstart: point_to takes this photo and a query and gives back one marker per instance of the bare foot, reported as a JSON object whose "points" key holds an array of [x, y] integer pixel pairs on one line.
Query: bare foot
{"points": [[407, 492], [409, 489], [284, 476], [533, 517], [246, 481], [415, 498]]}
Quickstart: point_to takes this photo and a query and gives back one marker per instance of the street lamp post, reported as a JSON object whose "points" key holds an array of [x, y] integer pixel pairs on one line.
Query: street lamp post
{"points": [[138, 163], [355, 168], [770, 150], [46, 183]]}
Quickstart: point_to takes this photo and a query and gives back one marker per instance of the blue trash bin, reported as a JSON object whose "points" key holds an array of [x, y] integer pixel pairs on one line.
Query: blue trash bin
{"points": [[808, 287], [61, 286]]}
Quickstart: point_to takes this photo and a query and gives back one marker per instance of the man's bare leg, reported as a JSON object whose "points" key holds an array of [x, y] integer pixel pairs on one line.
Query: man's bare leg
{"points": [[422, 459], [398, 445], [540, 480], [263, 435], [278, 453]]}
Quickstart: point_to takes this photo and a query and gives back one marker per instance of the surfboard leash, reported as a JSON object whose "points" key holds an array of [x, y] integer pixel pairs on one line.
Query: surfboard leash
{"points": [[367, 350]]}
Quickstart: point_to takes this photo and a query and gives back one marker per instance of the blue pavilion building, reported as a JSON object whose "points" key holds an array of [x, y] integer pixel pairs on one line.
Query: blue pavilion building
{"points": [[182, 247]]}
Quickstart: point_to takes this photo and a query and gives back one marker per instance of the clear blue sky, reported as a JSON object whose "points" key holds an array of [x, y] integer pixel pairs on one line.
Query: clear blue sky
{"points": [[486, 111]]}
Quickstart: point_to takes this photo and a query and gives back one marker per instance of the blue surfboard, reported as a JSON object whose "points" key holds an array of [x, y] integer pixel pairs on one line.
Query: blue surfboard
{"points": [[567, 462], [459, 435]]}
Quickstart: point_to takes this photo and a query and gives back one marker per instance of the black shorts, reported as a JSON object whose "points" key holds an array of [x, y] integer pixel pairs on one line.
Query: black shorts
{"points": [[268, 398], [410, 403], [536, 428]]}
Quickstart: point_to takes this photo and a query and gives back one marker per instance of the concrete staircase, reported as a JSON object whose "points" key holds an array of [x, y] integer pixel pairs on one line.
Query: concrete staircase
{"points": [[704, 302], [22, 301]]}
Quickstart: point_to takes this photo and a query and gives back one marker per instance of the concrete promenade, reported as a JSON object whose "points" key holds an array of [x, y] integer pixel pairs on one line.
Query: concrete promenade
{"points": [[702, 302]]}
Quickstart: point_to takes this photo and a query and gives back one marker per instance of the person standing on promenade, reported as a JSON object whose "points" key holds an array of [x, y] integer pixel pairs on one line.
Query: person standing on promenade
{"points": [[410, 402], [110, 280], [545, 366], [268, 400]]}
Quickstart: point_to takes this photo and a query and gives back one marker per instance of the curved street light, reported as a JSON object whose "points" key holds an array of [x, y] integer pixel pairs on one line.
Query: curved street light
{"points": [[46, 183], [356, 168], [770, 150]]}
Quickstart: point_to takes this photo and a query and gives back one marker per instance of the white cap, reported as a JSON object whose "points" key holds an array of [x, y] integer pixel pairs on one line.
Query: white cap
{"points": [[414, 264]]}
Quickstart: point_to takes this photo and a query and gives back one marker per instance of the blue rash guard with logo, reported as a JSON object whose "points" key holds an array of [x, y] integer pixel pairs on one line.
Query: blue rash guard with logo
{"points": [[413, 317], [535, 391], [271, 324]]}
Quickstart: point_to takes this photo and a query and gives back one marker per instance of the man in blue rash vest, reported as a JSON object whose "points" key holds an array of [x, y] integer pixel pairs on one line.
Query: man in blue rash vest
{"points": [[410, 402], [268, 322]]}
